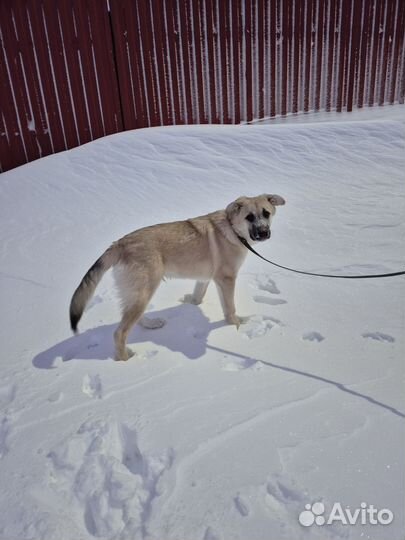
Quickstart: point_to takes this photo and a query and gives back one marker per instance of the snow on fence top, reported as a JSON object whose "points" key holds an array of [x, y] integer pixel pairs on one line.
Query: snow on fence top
{"points": [[72, 71]]}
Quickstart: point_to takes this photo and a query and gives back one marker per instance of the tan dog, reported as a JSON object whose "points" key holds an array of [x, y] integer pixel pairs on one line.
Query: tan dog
{"points": [[203, 248]]}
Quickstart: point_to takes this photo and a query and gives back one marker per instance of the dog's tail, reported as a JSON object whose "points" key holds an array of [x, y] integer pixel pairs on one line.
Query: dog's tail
{"points": [[88, 284]]}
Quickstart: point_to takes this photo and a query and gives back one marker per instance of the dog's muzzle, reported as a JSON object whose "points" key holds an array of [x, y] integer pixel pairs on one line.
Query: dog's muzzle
{"points": [[258, 235]]}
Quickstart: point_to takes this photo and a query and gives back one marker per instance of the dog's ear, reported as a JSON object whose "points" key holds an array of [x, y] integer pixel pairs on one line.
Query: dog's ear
{"points": [[275, 200], [234, 208]]}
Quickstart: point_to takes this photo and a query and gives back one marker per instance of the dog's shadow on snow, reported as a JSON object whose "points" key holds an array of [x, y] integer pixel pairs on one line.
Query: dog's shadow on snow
{"points": [[186, 331]]}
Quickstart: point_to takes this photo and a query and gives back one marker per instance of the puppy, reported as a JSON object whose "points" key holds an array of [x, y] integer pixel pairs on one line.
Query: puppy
{"points": [[204, 248]]}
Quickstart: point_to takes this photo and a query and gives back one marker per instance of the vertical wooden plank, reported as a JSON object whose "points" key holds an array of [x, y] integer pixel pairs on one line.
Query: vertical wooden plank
{"points": [[84, 49], [57, 60], [216, 30], [386, 52], [248, 60], [144, 32], [141, 90], [73, 64], [263, 56], [104, 58], [254, 50], [242, 61], [184, 37], [296, 57], [39, 120], [12, 147], [279, 60], [397, 48], [119, 22], [344, 28], [209, 12], [364, 48], [273, 37], [11, 142], [401, 76], [173, 47], [183, 76], [199, 64], [354, 33], [321, 31], [301, 86], [159, 41], [237, 38], [266, 59], [261, 14], [284, 36], [224, 44], [290, 36], [17, 77], [208, 69], [139, 69], [375, 49], [308, 53], [45, 73], [331, 50], [6, 157], [347, 49], [230, 61]]}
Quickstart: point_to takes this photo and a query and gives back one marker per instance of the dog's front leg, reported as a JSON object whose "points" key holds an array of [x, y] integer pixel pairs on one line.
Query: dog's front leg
{"points": [[199, 292], [226, 291]]}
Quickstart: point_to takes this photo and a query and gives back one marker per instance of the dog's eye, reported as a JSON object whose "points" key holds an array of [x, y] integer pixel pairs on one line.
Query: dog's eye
{"points": [[266, 214], [250, 217]]}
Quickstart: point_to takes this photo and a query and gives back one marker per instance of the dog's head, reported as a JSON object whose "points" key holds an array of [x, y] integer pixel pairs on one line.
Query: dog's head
{"points": [[250, 217]]}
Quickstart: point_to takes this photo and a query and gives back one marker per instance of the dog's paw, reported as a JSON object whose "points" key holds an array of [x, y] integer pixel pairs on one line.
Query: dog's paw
{"points": [[190, 299], [236, 320], [152, 324], [124, 357]]}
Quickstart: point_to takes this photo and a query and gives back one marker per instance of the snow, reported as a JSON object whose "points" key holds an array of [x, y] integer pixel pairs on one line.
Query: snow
{"points": [[208, 432]]}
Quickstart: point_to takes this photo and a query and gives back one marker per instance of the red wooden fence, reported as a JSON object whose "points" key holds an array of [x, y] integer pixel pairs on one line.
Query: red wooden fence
{"points": [[75, 70], [59, 84]]}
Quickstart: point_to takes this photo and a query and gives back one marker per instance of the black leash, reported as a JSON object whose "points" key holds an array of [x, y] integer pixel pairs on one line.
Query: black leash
{"points": [[365, 276]]}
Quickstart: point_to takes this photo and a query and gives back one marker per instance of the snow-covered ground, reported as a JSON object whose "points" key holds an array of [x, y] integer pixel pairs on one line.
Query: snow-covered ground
{"points": [[208, 433]]}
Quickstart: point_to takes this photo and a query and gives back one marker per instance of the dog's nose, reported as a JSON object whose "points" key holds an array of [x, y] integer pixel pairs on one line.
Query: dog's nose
{"points": [[264, 233]]}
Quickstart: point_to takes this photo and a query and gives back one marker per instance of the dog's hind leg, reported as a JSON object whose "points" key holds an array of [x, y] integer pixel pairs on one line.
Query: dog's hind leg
{"points": [[197, 296], [132, 313], [129, 317]]}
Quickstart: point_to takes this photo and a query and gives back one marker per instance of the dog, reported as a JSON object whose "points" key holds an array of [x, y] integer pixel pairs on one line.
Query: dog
{"points": [[204, 248]]}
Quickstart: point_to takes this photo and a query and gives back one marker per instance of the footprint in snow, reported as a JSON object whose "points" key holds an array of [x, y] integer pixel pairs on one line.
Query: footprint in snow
{"points": [[267, 284], [241, 364], [147, 355], [4, 433], [281, 497], [241, 505], [7, 395], [113, 481], [92, 387], [211, 534], [379, 336], [258, 326], [55, 397], [268, 300], [313, 336], [282, 491]]}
